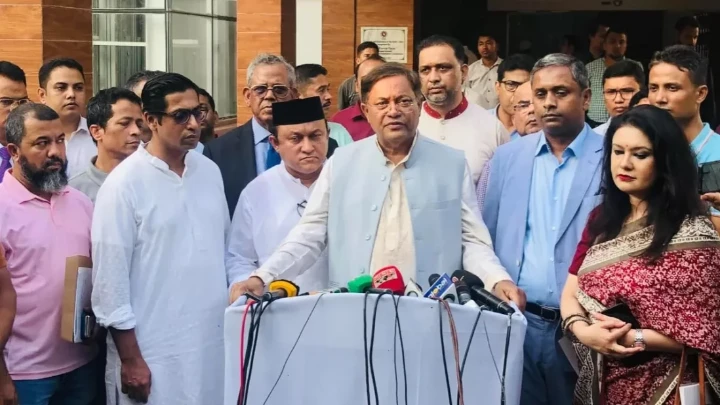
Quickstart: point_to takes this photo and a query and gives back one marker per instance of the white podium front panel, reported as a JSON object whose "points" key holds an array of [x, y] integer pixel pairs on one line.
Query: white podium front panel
{"points": [[328, 363]]}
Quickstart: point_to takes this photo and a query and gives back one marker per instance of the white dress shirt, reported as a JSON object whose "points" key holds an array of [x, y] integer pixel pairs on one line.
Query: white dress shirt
{"points": [[309, 238], [268, 209], [80, 149]]}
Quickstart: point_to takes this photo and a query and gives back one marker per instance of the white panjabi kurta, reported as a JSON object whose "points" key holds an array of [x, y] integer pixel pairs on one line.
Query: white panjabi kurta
{"points": [[159, 243], [266, 213]]}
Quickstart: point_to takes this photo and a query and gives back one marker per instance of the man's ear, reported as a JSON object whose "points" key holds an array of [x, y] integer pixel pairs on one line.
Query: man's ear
{"points": [[273, 141], [42, 94], [96, 132], [14, 150], [151, 121]]}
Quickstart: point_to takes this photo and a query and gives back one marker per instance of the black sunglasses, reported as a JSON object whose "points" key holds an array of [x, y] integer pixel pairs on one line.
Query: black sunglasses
{"points": [[182, 116]]}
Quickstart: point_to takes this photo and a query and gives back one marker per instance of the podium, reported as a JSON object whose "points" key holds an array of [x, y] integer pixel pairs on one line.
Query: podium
{"points": [[327, 365]]}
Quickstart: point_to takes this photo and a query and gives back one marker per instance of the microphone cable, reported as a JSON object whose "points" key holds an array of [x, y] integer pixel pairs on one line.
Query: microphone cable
{"points": [[456, 351], [398, 331], [507, 350], [369, 356], [255, 333], [467, 348], [442, 348], [293, 348]]}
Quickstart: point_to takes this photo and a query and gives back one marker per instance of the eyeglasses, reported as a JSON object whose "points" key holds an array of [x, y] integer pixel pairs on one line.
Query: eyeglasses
{"points": [[522, 106], [279, 90], [182, 116], [510, 85], [301, 207], [625, 94], [9, 102]]}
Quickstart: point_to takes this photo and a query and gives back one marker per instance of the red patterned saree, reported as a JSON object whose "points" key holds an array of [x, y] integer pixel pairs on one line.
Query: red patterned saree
{"points": [[678, 296]]}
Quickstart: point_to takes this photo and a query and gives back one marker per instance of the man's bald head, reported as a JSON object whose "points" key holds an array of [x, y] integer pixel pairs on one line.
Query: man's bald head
{"points": [[365, 67], [523, 110]]}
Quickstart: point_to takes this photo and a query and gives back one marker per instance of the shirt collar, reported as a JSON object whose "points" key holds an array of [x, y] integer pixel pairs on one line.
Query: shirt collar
{"points": [[699, 140], [405, 159], [356, 113], [82, 127], [161, 164], [13, 188], [451, 114], [96, 175], [574, 149], [260, 134], [284, 173]]}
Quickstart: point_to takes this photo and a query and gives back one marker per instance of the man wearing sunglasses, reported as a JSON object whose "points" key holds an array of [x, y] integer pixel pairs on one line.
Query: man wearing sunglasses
{"points": [[300, 136], [13, 92], [245, 152], [159, 237]]}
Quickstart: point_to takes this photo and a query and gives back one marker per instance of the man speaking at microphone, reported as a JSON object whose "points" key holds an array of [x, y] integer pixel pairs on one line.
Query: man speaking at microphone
{"points": [[393, 199]]}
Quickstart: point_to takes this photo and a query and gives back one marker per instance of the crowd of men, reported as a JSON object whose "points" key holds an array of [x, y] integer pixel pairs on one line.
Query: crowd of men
{"points": [[179, 221]]}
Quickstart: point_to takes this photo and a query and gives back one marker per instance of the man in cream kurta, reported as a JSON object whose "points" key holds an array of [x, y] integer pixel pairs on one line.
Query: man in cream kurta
{"points": [[159, 244], [396, 198]]}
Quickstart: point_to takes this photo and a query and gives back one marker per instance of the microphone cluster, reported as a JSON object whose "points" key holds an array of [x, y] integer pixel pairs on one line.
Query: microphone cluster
{"points": [[462, 287]]}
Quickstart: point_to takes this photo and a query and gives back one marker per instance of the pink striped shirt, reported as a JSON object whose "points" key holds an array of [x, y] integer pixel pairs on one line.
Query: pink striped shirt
{"points": [[38, 235]]}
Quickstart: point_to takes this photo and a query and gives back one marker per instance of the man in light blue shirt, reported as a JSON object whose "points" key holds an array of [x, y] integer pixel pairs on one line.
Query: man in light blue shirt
{"points": [[677, 83], [541, 189], [13, 92]]}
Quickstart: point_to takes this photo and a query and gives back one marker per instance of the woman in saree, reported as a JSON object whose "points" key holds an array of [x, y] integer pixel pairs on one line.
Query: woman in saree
{"points": [[651, 246]]}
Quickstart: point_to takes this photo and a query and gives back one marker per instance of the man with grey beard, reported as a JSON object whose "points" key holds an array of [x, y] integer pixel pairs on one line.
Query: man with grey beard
{"points": [[42, 223]]}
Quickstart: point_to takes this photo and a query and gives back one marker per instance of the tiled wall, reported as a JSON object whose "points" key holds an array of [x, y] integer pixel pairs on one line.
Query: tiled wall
{"points": [[34, 31], [269, 26]]}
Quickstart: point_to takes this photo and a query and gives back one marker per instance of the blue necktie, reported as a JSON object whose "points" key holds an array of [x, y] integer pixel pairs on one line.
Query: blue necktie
{"points": [[272, 158]]}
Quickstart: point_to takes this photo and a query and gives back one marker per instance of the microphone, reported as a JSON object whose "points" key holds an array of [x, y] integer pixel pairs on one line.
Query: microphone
{"points": [[485, 297], [325, 291], [413, 289], [388, 279], [441, 287], [463, 292], [281, 289], [360, 284]]}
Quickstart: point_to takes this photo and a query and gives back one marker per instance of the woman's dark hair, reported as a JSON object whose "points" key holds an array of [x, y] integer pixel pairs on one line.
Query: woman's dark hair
{"points": [[672, 198]]}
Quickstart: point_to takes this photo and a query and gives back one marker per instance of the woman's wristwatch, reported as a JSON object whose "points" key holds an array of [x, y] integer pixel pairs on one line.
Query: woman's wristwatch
{"points": [[639, 339]]}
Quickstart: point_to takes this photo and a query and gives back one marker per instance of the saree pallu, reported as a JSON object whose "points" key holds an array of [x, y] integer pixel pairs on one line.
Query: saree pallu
{"points": [[677, 296]]}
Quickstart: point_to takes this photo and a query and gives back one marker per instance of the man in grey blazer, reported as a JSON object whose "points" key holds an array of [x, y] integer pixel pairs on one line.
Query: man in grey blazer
{"points": [[541, 189]]}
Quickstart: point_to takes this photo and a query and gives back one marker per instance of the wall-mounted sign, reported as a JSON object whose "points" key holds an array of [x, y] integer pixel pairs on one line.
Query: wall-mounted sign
{"points": [[392, 41]]}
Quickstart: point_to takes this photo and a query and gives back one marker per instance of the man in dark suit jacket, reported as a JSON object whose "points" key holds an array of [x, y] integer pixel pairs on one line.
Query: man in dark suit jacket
{"points": [[235, 155]]}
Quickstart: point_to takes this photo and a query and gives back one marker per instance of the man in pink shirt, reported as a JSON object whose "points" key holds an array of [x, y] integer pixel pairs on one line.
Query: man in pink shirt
{"points": [[42, 222]]}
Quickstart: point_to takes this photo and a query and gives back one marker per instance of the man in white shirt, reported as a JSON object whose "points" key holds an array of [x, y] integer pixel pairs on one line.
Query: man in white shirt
{"points": [[513, 71], [621, 82], [482, 74], [446, 115], [395, 198], [273, 203], [62, 88], [13, 92], [159, 242]]}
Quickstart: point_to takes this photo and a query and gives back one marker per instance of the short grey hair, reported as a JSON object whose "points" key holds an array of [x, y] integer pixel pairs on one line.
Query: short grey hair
{"points": [[270, 59], [15, 124], [577, 68]]}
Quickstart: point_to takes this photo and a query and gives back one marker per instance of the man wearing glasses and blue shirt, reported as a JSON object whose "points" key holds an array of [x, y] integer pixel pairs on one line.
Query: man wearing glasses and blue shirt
{"points": [[245, 152], [159, 244], [13, 93], [273, 203]]}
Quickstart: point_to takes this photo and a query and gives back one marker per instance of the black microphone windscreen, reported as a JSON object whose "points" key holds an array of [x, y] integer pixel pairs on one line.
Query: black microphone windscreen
{"points": [[469, 278], [433, 278]]}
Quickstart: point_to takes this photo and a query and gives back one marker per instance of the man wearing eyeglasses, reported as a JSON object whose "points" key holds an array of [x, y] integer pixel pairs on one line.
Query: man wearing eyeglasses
{"points": [[245, 152], [512, 72], [447, 116], [158, 249], [13, 92], [621, 82], [273, 203]]}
